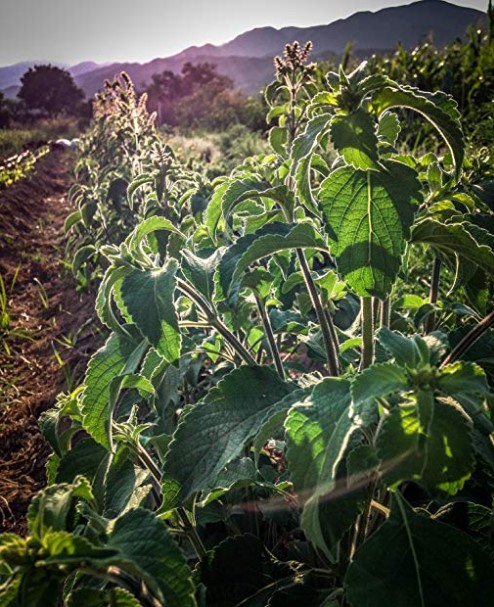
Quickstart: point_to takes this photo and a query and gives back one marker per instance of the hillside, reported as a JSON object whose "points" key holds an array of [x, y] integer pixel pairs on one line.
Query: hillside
{"points": [[247, 59]]}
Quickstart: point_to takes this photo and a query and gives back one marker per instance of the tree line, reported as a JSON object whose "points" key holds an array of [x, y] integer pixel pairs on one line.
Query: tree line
{"points": [[198, 97]]}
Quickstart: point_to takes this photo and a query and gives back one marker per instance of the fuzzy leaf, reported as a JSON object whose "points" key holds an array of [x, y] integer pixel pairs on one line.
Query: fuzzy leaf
{"points": [[290, 236], [439, 456], [303, 149], [267, 240], [463, 378], [253, 189], [214, 432], [147, 550], [403, 349], [389, 128], [354, 137], [378, 381], [451, 239], [438, 108], [108, 362], [200, 271], [413, 561], [368, 215], [148, 296], [318, 433], [148, 226]]}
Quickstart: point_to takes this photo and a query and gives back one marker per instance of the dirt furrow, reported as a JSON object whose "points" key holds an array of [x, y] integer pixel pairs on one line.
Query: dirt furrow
{"points": [[45, 317]]}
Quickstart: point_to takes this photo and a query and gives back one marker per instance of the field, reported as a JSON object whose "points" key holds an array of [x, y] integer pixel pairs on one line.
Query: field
{"points": [[249, 371]]}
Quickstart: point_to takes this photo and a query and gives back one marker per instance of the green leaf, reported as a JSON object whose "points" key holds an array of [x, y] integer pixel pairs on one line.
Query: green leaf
{"points": [[148, 226], [278, 139], [463, 377], [84, 458], [306, 142], [147, 550], [439, 456], [108, 363], [389, 128], [111, 280], [130, 381], [52, 508], [238, 473], [200, 271], [368, 215], [253, 189], [318, 431], [327, 518], [453, 239], [438, 108], [148, 295], [475, 520], [303, 149], [214, 432], [40, 588], [72, 220], [65, 548], [378, 381], [403, 349], [265, 241], [275, 419], [213, 212], [124, 484], [354, 137], [9, 591], [135, 184], [289, 236], [413, 561], [318, 434]]}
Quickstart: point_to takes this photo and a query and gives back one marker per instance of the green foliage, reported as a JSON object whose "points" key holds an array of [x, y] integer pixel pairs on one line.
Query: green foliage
{"points": [[276, 407], [201, 98]]}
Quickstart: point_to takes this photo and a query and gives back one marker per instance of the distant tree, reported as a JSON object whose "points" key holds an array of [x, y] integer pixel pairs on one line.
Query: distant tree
{"points": [[163, 92], [51, 90], [200, 97], [199, 75], [5, 113]]}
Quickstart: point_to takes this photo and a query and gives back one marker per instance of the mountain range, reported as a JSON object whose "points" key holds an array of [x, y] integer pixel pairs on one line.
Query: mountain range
{"points": [[248, 58]]}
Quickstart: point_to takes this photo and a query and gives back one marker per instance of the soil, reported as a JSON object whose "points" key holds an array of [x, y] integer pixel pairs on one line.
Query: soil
{"points": [[47, 316]]}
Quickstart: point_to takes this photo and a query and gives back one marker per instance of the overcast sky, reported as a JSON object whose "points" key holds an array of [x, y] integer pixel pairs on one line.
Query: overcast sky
{"points": [[70, 31]]}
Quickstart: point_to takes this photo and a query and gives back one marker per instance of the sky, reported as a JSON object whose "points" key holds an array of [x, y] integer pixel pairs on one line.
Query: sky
{"points": [[71, 31]]}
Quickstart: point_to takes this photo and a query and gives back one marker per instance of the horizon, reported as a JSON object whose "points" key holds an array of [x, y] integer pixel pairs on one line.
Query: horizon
{"points": [[117, 31]]}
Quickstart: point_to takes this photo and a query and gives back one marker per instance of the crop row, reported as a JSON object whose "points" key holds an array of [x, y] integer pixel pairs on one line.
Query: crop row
{"points": [[294, 402]]}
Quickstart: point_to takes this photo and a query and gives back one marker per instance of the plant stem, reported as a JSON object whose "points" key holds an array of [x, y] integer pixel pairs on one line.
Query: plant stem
{"points": [[470, 338], [192, 534], [367, 333], [123, 580], [433, 293], [385, 313], [189, 527], [376, 311], [215, 322], [325, 321], [273, 348]]}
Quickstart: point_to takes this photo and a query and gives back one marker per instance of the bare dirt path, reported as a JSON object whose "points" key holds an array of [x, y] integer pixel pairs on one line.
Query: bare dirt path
{"points": [[45, 315]]}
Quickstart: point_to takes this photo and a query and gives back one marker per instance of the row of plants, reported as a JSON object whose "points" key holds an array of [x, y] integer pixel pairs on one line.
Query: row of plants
{"points": [[16, 167], [294, 402]]}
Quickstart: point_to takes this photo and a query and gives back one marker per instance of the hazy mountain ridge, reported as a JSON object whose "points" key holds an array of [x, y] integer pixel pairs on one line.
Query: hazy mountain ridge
{"points": [[248, 58]]}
